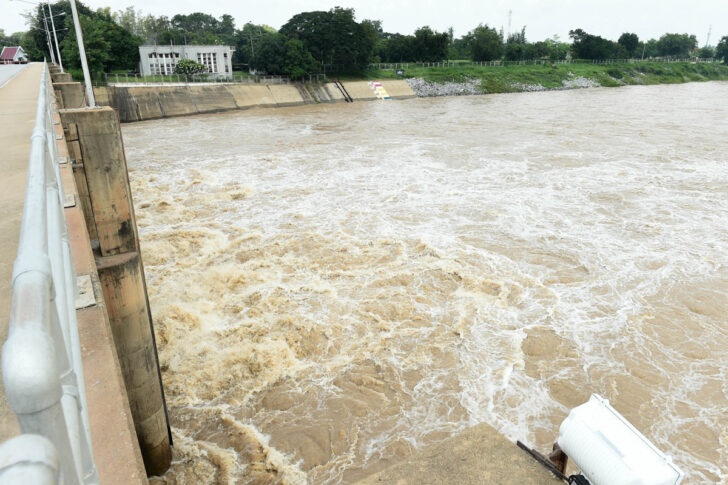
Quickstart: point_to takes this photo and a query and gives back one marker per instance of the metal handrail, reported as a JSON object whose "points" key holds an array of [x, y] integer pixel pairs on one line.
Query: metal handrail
{"points": [[390, 66], [41, 359], [178, 79]]}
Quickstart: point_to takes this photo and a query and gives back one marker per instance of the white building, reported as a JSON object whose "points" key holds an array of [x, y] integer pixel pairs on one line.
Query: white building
{"points": [[162, 59]]}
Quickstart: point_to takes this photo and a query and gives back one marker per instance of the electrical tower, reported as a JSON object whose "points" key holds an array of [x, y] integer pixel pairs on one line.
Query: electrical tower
{"points": [[510, 14], [707, 41]]}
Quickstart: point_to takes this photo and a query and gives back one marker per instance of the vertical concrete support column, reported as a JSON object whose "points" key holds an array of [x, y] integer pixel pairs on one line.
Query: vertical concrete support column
{"points": [[121, 273], [69, 94], [74, 152], [61, 77]]}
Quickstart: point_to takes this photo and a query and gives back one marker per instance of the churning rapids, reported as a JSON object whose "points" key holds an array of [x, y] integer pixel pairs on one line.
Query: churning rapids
{"points": [[335, 286]]}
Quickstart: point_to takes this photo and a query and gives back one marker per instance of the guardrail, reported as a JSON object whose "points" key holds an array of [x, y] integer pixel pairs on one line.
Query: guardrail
{"points": [[193, 78], [388, 66], [41, 359]]}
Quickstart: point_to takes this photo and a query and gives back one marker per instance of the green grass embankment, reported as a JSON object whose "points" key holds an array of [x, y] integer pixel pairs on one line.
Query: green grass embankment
{"points": [[505, 79]]}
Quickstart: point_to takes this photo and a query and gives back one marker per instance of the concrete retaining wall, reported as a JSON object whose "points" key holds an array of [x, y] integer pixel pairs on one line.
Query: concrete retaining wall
{"points": [[139, 103], [362, 91], [329, 93], [399, 89]]}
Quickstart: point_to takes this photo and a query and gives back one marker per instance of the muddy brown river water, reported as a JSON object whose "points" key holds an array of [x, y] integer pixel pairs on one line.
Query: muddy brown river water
{"points": [[336, 286]]}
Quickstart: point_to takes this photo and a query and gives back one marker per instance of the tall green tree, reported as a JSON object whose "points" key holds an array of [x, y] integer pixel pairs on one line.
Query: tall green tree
{"points": [[484, 43], [97, 47], [197, 28], [108, 45], [557, 50], [32, 50], [332, 37], [276, 54], [9, 40], [147, 26], [34, 43], [270, 54], [721, 50], [588, 46], [458, 49], [516, 46], [676, 45], [649, 49], [429, 45], [706, 52], [630, 42], [399, 48], [538, 50], [246, 41], [298, 61]]}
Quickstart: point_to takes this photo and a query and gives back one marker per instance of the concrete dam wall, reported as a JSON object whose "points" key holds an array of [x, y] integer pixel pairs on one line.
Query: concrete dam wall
{"points": [[139, 103]]}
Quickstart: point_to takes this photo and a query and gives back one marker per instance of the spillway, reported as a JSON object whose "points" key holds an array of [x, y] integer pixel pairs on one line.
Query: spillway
{"points": [[336, 286]]}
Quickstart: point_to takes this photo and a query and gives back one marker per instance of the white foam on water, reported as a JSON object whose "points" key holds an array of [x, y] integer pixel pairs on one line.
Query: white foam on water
{"points": [[395, 272]]}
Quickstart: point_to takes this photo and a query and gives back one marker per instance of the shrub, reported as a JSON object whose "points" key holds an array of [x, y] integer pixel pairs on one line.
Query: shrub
{"points": [[188, 67]]}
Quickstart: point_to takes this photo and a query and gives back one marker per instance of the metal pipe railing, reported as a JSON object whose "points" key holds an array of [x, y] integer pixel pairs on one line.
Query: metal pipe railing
{"points": [[27, 459], [41, 360]]}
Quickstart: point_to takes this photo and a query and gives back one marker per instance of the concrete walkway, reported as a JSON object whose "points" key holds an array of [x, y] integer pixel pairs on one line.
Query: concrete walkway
{"points": [[18, 102], [9, 71]]}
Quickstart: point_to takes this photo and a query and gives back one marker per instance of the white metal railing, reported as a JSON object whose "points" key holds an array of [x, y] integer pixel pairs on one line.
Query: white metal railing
{"points": [[156, 79], [389, 66], [41, 359]]}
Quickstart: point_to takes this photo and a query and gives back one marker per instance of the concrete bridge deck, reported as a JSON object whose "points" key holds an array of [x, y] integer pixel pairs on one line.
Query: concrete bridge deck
{"points": [[112, 432], [18, 102]]}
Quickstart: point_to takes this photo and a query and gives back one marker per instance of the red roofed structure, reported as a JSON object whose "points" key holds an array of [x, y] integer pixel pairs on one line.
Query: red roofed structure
{"points": [[13, 55]]}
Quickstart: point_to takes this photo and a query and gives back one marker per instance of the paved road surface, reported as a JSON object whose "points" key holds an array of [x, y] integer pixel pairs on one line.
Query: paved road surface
{"points": [[7, 71]]}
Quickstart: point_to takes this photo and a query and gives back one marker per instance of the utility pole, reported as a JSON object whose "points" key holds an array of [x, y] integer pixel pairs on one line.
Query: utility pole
{"points": [[48, 35], [53, 25], [82, 54]]}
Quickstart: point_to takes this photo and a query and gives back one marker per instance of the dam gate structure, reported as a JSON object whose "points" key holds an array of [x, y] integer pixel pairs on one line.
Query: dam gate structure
{"points": [[124, 412]]}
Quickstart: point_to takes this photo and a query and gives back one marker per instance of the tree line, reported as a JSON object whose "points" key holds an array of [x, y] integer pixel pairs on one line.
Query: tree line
{"points": [[324, 41], [109, 46], [10, 40]]}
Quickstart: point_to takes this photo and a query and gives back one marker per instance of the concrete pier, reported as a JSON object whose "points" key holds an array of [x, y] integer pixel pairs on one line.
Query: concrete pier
{"points": [[70, 94], [116, 451], [97, 146]]}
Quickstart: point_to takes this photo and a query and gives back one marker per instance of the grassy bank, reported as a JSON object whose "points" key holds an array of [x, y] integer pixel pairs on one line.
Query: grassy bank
{"points": [[504, 79]]}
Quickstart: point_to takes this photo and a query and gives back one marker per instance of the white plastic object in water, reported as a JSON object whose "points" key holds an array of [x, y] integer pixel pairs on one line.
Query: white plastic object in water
{"points": [[610, 451]]}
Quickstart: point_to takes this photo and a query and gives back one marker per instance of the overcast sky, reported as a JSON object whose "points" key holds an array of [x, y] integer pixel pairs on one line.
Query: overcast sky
{"points": [[542, 18]]}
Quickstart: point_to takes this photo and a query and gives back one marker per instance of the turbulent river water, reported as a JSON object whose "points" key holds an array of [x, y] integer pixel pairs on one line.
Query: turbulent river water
{"points": [[336, 286]]}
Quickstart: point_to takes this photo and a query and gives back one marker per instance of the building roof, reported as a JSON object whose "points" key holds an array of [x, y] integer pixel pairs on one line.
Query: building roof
{"points": [[185, 46], [190, 47], [8, 53]]}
